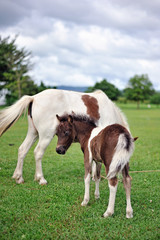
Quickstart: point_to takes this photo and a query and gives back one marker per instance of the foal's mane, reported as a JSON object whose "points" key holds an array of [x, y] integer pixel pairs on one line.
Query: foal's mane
{"points": [[79, 118]]}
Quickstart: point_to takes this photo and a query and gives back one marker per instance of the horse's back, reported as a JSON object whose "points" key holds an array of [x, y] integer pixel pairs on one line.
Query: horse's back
{"points": [[109, 112], [57, 102], [50, 102]]}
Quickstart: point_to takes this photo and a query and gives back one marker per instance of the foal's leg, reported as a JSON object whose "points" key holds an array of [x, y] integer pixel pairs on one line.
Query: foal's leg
{"points": [[96, 170], [38, 152], [113, 183], [87, 179], [127, 186], [23, 150]]}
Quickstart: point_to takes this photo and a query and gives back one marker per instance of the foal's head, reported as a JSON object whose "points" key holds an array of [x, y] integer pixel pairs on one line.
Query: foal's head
{"points": [[65, 133]]}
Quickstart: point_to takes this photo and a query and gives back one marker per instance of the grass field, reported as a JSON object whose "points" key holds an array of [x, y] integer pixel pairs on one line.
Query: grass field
{"points": [[31, 211]]}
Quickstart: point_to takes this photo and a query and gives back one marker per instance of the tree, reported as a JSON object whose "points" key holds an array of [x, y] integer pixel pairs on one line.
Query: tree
{"points": [[28, 87], [109, 89], [155, 99], [43, 87], [14, 66], [139, 88]]}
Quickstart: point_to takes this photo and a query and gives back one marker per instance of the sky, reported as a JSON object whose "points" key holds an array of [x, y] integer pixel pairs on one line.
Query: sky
{"points": [[79, 43]]}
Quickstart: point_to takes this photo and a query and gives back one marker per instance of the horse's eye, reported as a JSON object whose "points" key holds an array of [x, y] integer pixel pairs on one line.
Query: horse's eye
{"points": [[66, 133]]}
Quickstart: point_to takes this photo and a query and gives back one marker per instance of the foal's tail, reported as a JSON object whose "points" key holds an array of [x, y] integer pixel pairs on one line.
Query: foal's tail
{"points": [[122, 154], [11, 114]]}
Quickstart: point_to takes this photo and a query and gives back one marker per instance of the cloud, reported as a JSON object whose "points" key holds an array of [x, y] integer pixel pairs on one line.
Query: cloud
{"points": [[11, 12], [79, 43], [124, 15]]}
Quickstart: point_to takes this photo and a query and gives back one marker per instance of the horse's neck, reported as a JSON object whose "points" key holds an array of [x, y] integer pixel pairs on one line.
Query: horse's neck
{"points": [[83, 131]]}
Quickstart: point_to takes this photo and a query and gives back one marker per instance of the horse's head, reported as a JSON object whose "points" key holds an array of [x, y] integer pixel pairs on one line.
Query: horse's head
{"points": [[65, 133]]}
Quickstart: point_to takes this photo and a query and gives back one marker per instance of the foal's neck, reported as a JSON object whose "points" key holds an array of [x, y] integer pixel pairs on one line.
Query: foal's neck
{"points": [[83, 131]]}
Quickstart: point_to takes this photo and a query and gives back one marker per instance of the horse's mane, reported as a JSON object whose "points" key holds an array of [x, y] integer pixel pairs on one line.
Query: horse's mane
{"points": [[79, 118]]}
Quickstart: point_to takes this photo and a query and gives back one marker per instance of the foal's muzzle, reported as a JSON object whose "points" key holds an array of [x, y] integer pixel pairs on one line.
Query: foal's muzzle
{"points": [[61, 150]]}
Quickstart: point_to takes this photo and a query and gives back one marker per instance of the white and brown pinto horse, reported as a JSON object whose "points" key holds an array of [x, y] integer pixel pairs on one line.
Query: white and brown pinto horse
{"points": [[112, 145], [42, 121]]}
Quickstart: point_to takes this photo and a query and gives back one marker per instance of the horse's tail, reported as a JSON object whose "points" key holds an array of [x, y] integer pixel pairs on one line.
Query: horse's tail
{"points": [[11, 114], [122, 154]]}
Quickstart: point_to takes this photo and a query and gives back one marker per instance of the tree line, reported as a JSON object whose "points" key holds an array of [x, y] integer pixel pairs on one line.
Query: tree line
{"points": [[15, 65], [139, 89]]}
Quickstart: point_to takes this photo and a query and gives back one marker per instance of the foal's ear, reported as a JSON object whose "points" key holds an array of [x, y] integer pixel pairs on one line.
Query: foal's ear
{"points": [[58, 117], [70, 119], [134, 139]]}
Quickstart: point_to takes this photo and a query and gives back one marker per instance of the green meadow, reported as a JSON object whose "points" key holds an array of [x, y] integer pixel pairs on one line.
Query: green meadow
{"points": [[30, 211]]}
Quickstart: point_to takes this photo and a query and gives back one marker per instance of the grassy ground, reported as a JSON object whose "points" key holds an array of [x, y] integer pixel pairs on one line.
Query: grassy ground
{"points": [[30, 211]]}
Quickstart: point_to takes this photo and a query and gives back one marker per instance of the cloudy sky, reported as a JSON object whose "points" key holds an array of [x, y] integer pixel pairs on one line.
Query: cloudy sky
{"points": [[81, 42]]}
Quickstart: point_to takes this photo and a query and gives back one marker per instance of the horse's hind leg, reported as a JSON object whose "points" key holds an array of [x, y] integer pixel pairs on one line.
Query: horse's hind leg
{"points": [[44, 141], [96, 176], [127, 186], [113, 183], [23, 150]]}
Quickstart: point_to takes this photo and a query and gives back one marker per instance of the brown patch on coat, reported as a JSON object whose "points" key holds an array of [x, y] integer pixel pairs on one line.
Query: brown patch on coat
{"points": [[113, 181], [125, 171], [92, 106], [104, 144], [98, 170]]}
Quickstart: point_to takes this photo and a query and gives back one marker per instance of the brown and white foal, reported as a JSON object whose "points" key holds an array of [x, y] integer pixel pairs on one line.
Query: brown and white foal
{"points": [[112, 145]]}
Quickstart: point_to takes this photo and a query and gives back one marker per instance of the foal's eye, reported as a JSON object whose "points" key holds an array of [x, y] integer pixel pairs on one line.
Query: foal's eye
{"points": [[66, 133]]}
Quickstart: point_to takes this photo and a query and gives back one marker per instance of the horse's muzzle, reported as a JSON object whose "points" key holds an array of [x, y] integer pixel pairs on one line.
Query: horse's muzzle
{"points": [[61, 150]]}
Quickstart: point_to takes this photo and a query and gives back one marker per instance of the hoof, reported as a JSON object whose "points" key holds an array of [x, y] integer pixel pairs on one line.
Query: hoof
{"points": [[107, 214], [43, 182], [18, 177], [97, 197], [20, 181], [129, 215], [84, 203]]}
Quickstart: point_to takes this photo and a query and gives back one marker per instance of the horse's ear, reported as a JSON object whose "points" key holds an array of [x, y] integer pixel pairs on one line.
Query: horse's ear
{"points": [[70, 119], [134, 139], [58, 117]]}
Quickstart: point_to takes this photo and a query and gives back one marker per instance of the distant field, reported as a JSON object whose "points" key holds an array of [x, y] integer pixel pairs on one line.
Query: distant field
{"points": [[30, 211]]}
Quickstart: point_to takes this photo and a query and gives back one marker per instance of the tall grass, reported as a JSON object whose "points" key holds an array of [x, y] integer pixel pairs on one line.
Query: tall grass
{"points": [[31, 211]]}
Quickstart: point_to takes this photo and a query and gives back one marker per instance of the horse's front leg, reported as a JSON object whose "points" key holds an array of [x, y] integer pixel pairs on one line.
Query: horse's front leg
{"points": [[87, 179], [113, 183]]}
